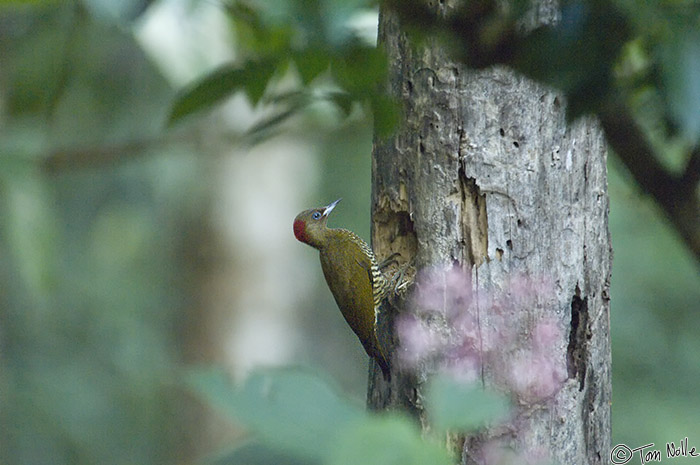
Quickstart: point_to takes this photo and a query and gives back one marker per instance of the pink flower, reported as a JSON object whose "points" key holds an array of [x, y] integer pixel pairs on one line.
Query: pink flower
{"points": [[546, 335], [444, 290], [494, 452], [417, 340], [465, 330], [535, 377]]}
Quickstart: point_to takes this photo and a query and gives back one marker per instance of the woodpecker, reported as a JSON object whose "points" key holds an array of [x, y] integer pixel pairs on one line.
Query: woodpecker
{"points": [[352, 274]]}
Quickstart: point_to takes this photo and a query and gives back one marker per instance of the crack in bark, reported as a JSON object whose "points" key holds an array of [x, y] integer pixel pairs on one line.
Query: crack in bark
{"points": [[474, 220], [577, 350], [394, 231]]}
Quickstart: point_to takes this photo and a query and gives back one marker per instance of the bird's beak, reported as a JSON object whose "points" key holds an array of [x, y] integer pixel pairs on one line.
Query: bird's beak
{"points": [[329, 208]]}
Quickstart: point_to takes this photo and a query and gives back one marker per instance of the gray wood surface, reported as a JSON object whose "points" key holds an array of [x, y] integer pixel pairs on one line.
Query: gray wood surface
{"points": [[486, 173]]}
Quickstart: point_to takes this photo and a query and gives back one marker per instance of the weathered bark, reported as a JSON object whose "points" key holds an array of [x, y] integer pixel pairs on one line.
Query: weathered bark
{"points": [[486, 173]]}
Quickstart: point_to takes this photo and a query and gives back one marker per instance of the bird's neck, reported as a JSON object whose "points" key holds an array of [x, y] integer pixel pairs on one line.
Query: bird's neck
{"points": [[320, 238], [324, 237]]}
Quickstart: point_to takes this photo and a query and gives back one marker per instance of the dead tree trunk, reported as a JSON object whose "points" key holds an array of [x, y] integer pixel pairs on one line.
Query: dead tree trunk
{"points": [[485, 173]]}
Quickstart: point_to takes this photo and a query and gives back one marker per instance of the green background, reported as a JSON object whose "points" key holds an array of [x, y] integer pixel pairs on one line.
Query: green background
{"points": [[119, 240]]}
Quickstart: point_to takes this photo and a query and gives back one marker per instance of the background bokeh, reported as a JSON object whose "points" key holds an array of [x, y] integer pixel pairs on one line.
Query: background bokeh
{"points": [[130, 251]]}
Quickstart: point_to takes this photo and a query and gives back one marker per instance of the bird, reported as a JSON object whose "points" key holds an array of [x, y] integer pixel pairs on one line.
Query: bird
{"points": [[353, 275]]}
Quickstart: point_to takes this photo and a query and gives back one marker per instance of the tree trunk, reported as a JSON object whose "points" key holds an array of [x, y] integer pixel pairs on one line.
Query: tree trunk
{"points": [[485, 173]]}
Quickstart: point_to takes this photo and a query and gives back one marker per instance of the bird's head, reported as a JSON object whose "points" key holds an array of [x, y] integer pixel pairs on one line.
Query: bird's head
{"points": [[310, 225]]}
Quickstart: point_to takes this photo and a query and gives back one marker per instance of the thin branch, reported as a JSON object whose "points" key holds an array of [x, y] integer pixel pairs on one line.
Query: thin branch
{"points": [[691, 175], [675, 195], [99, 155], [70, 158]]}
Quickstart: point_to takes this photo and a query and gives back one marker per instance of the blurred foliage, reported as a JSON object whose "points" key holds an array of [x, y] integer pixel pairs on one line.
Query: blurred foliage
{"points": [[655, 295], [88, 307], [582, 53], [454, 406], [98, 201], [297, 417], [600, 54], [579, 54], [290, 409], [665, 62], [331, 60]]}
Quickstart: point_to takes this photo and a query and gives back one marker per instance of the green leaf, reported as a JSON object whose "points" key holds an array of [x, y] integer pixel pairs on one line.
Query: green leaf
{"points": [[455, 406], [222, 83], [290, 409], [257, 32], [310, 63], [360, 69], [386, 116], [252, 453], [387, 440], [342, 100]]}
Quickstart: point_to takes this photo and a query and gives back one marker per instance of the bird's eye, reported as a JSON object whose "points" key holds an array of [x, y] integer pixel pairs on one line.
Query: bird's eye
{"points": [[316, 215]]}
